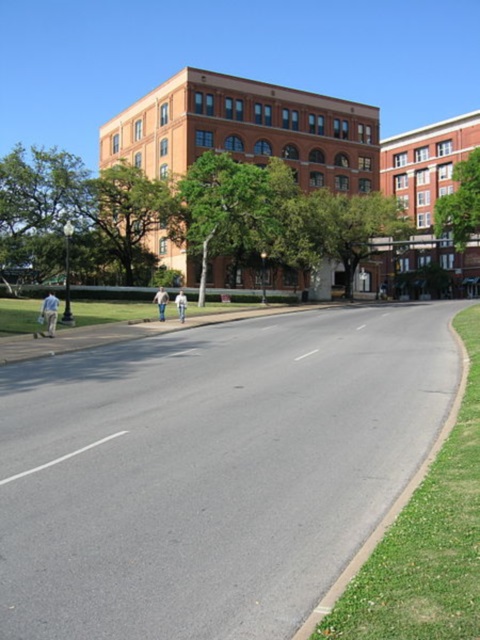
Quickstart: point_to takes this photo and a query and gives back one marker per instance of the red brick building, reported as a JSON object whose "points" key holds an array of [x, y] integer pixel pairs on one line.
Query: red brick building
{"points": [[327, 141], [417, 167]]}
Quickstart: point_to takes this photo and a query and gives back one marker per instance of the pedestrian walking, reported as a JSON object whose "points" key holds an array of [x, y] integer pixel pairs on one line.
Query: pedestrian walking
{"points": [[182, 303], [162, 299], [50, 313]]}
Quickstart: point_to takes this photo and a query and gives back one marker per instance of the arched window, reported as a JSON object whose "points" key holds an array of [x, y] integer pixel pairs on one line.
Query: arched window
{"points": [[316, 156], [138, 130], [233, 143], [164, 147], [317, 179], [262, 148], [290, 152], [341, 160]]}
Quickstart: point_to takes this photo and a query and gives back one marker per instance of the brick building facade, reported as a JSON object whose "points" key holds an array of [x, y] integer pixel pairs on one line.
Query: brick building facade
{"points": [[327, 141]]}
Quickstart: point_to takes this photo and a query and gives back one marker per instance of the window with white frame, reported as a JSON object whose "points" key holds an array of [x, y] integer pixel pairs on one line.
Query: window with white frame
{"points": [[447, 260], [444, 148], [445, 191], [401, 181], [424, 260], [424, 220], [423, 198], [421, 154], [423, 177], [445, 171], [364, 163], [164, 171], [400, 159], [138, 130], [447, 239], [342, 183], [403, 264], [404, 202]]}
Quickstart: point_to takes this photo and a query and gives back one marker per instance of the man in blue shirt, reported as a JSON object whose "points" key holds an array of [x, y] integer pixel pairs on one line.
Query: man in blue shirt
{"points": [[50, 313]]}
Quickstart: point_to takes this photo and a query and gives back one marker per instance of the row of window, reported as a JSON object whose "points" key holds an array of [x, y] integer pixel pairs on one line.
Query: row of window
{"points": [[263, 114], [422, 154], [423, 198], [289, 151], [447, 261], [422, 177]]}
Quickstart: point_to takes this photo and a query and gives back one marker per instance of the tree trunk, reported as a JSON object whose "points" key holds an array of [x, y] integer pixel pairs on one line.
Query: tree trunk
{"points": [[203, 277]]}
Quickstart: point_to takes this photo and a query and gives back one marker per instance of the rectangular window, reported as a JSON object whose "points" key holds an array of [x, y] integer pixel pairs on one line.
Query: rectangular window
{"points": [[204, 138], [239, 110], [445, 191], [336, 128], [198, 102], [447, 239], [286, 118], [401, 182], [162, 246], [311, 123], [320, 125], [423, 198], [164, 114], [368, 134], [210, 104], [137, 161], [364, 163], [445, 171], [345, 129], [258, 113], [424, 220], [423, 177], [403, 265], [400, 159], [424, 261], [116, 143], [342, 183], [364, 185], [229, 108], [447, 260], [361, 133], [444, 148], [421, 154], [295, 120], [138, 130], [404, 202], [163, 147], [268, 115]]}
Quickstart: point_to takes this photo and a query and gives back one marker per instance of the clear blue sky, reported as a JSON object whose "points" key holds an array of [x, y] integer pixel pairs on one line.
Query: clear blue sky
{"points": [[68, 67]]}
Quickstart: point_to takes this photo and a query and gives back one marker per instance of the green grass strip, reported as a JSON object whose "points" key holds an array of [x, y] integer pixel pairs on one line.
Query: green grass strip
{"points": [[422, 582]]}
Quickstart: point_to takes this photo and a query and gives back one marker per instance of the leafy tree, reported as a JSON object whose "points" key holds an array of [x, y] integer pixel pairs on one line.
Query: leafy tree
{"points": [[39, 191], [127, 206], [228, 209], [348, 223], [460, 211]]}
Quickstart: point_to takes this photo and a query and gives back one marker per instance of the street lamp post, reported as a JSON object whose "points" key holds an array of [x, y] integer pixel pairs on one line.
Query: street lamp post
{"points": [[264, 293], [67, 316]]}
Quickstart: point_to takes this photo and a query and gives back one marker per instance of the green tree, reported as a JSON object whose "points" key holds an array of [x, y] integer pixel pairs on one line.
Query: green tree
{"points": [[228, 209], [127, 206], [348, 224], [460, 211]]}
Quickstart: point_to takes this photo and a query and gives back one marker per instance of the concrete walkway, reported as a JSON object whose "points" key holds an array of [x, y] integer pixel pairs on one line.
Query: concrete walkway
{"points": [[25, 347]]}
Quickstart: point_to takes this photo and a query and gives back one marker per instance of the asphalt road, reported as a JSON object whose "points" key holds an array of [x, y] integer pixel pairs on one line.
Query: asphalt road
{"points": [[211, 484]]}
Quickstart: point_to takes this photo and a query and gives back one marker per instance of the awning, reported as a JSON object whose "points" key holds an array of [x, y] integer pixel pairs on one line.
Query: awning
{"points": [[470, 280]]}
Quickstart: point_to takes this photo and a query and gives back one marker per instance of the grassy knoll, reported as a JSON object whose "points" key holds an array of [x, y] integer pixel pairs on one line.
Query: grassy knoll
{"points": [[19, 316], [423, 580]]}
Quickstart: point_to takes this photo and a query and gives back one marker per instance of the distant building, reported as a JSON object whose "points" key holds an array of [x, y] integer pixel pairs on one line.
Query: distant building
{"points": [[327, 141], [417, 168]]}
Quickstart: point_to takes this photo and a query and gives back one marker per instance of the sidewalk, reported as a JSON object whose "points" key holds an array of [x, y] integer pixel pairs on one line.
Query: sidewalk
{"points": [[25, 347]]}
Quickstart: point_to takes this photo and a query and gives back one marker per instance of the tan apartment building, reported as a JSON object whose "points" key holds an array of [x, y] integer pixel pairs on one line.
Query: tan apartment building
{"points": [[327, 141], [417, 168]]}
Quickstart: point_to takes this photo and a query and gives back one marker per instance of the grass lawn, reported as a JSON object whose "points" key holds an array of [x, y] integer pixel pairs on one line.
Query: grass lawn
{"points": [[423, 580], [19, 316]]}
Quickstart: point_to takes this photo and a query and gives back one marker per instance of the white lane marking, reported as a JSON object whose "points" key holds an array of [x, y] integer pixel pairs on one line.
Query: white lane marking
{"points": [[63, 458], [362, 326], [305, 355], [271, 326], [181, 353]]}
